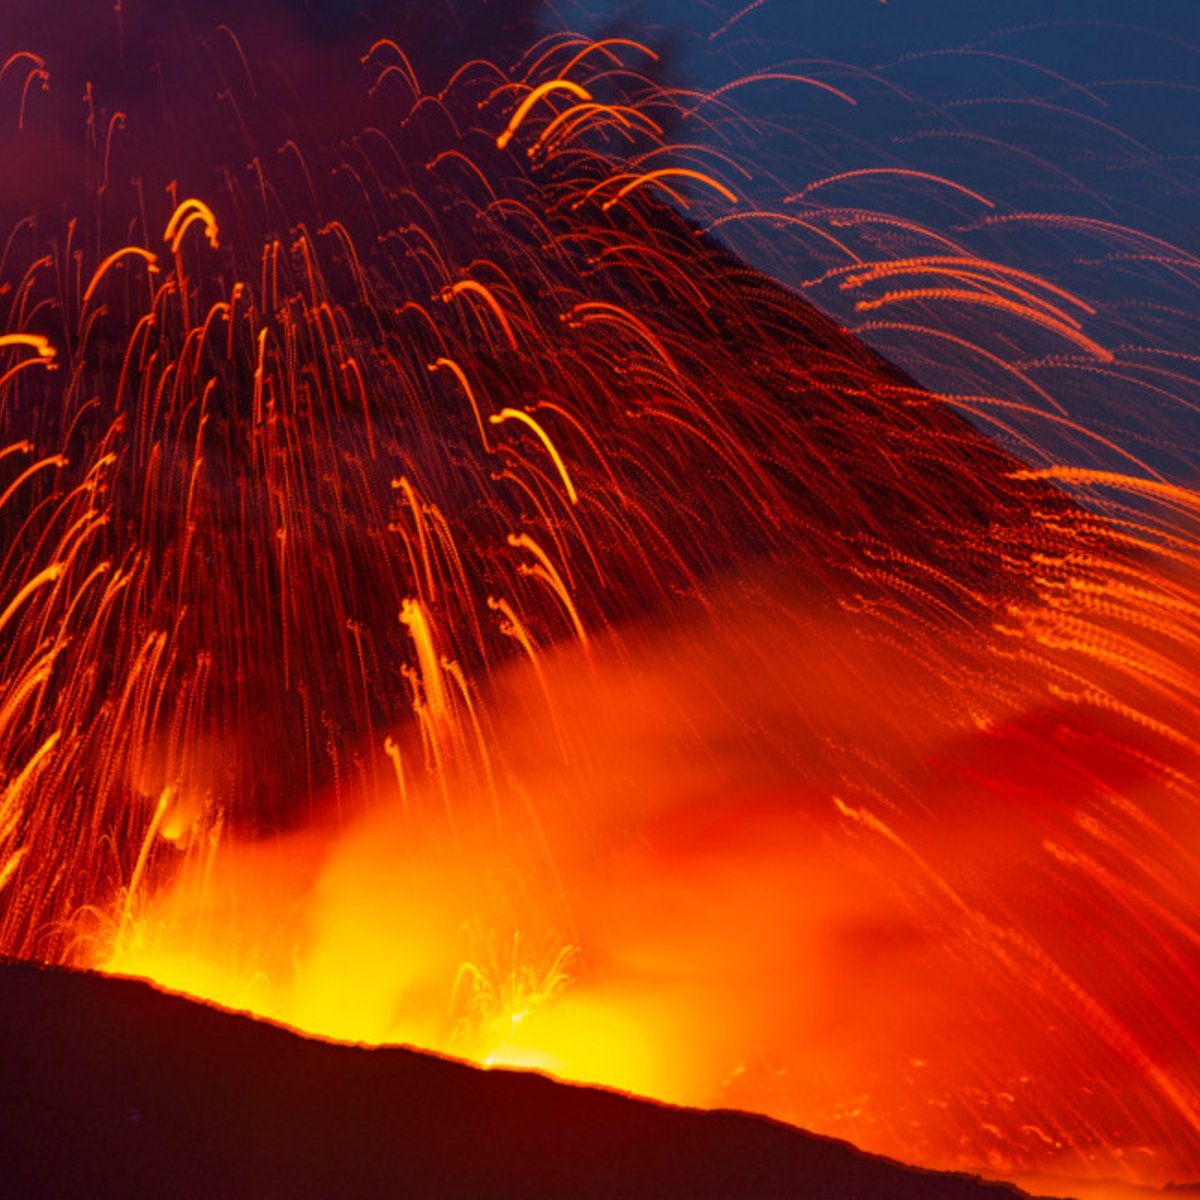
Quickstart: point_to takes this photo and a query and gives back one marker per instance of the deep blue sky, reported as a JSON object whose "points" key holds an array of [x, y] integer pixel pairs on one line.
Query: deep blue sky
{"points": [[1086, 108], [1082, 108], [1139, 64]]}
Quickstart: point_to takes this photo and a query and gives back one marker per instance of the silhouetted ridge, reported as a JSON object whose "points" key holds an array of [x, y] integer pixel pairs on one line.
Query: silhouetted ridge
{"points": [[111, 1089]]}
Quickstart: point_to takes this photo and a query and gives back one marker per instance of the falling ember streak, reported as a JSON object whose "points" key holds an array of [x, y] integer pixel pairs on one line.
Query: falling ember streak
{"points": [[32, 341], [457, 371], [525, 107], [447, 596], [902, 172], [774, 76], [473, 287], [186, 215], [151, 261], [663, 173], [514, 414], [1062, 326]]}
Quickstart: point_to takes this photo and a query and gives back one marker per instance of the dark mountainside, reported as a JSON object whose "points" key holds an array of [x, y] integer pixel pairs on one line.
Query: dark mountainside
{"points": [[111, 1089]]}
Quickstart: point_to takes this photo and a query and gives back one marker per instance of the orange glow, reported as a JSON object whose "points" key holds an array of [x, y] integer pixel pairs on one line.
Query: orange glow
{"points": [[671, 998], [604, 663]]}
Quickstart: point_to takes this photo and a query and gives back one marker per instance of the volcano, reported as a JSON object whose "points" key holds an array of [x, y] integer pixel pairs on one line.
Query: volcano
{"points": [[451, 600]]}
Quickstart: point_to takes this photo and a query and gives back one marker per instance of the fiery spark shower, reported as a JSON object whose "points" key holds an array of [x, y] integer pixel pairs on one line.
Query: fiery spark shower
{"points": [[449, 597]]}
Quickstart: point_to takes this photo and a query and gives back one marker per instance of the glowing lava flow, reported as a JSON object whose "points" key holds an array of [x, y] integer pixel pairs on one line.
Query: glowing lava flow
{"points": [[449, 598]]}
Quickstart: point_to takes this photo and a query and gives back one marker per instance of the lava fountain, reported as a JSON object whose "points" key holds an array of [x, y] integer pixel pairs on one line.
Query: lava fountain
{"points": [[450, 598]]}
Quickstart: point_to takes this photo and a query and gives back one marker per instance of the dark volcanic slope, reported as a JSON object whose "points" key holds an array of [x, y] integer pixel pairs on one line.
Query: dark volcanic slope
{"points": [[111, 1089]]}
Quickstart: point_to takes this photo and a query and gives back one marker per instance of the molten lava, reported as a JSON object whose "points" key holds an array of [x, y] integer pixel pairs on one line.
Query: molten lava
{"points": [[449, 598]]}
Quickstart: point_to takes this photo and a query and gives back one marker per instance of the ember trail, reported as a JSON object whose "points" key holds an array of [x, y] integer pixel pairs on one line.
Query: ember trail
{"points": [[448, 597]]}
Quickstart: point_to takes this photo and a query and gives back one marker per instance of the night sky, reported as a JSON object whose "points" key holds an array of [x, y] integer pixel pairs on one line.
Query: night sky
{"points": [[1085, 108]]}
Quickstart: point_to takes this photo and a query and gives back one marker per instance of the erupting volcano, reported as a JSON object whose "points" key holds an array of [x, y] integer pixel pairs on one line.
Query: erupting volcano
{"points": [[453, 596]]}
